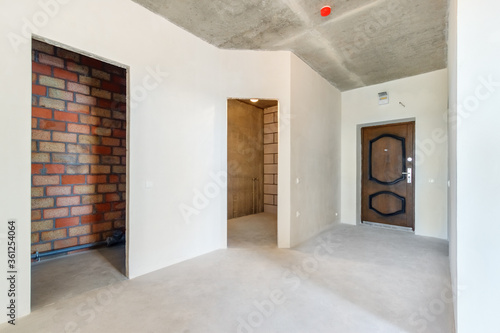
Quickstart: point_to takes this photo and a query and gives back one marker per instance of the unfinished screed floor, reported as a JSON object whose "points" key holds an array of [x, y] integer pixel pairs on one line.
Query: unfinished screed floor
{"points": [[348, 279]]}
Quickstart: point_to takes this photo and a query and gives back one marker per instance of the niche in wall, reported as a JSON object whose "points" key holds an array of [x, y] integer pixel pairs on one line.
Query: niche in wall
{"points": [[78, 149]]}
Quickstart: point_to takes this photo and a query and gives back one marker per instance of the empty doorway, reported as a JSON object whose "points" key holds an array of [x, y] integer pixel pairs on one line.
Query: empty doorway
{"points": [[79, 162], [252, 160]]}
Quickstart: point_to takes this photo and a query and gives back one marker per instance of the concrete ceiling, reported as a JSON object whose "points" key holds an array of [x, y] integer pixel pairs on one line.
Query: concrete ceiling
{"points": [[363, 42]]}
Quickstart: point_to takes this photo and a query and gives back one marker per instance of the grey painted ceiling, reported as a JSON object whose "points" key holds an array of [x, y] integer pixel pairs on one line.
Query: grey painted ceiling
{"points": [[363, 42]]}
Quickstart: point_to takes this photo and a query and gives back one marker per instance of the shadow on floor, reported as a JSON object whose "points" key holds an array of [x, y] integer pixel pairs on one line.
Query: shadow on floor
{"points": [[56, 279]]}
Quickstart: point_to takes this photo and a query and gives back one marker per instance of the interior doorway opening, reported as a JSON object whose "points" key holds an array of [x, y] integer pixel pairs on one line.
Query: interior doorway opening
{"points": [[252, 160], [79, 172]]}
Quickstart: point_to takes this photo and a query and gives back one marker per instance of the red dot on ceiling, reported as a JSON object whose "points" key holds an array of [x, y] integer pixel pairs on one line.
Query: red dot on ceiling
{"points": [[325, 11]]}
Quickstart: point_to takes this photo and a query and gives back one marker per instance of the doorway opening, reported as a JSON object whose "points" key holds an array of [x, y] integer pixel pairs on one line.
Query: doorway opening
{"points": [[252, 164], [79, 173], [388, 175]]}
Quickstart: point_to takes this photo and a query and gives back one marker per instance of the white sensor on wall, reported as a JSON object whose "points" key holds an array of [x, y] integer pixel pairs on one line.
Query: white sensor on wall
{"points": [[383, 98]]}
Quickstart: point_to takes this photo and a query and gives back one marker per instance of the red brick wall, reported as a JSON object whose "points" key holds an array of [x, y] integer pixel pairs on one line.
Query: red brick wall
{"points": [[78, 148]]}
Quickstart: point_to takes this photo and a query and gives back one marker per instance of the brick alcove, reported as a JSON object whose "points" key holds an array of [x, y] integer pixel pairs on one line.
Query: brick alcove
{"points": [[78, 148]]}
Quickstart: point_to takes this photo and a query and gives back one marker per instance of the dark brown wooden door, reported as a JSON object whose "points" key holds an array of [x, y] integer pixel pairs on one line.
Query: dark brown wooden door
{"points": [[388, 174]]}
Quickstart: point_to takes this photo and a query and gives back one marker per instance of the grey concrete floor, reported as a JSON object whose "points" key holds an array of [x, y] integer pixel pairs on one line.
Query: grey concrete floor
{"points": [[348, 279], [260, 230], [64, 277]]}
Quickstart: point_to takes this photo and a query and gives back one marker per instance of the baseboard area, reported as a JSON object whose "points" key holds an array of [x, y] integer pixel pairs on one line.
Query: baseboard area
{"points": [[386, 226]]}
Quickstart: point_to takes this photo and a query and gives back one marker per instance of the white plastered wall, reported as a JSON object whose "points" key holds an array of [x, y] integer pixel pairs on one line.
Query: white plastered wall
{"points": [[425, 100], [452, 147], [177, 124], [475, 117], [315, 152]]}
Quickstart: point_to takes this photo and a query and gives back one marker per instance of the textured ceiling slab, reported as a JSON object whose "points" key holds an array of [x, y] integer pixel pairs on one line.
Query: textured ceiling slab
{"points": [[361, 43]]}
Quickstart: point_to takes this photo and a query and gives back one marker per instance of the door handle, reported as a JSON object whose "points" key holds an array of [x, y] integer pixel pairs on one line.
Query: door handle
{"points": [[408, 175]]}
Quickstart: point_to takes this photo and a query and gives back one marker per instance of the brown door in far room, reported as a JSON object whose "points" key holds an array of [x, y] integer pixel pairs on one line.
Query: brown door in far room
{"points": [[387, 194]]}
